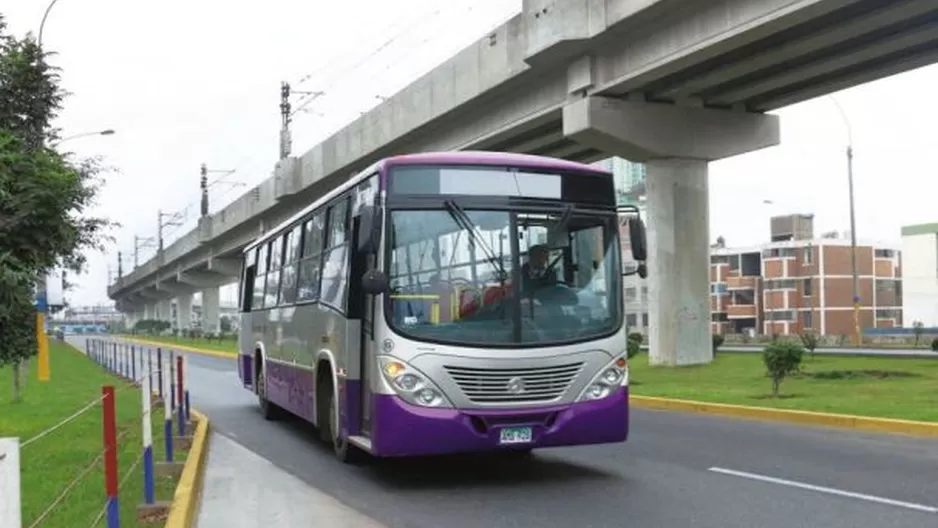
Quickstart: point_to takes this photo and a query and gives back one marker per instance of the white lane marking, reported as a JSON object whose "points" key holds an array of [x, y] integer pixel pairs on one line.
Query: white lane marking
{"points": [[822, 489]]}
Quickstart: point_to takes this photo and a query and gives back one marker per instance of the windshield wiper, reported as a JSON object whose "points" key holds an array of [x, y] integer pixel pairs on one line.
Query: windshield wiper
{"points": [[463, 220]]}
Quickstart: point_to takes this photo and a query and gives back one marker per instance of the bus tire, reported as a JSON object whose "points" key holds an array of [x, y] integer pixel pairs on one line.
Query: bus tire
{"points": [[269, 410], [329, 428]]}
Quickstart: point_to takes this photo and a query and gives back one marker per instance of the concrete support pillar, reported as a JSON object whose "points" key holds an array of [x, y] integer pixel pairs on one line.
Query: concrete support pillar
{"points": [[164, 310], [210, 311], [678, 262], [184, 311], [148, 310], [676, 143]]}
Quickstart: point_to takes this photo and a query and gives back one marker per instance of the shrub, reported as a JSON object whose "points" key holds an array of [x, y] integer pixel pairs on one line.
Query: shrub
{"points": [[934, 344], [717, 340], [633, 345], [810, 341], [637, 336], [781, 359]]}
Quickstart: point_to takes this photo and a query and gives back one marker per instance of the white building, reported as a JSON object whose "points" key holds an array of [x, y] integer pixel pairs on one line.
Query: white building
{"points": [[920, 274]]}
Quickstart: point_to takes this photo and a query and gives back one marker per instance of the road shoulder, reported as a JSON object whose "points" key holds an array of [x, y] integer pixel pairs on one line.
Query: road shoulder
{"points": [[244, 490]]}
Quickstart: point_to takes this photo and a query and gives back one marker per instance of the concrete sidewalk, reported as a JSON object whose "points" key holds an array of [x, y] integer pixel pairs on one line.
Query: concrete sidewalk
{"points": [[243, 490]]}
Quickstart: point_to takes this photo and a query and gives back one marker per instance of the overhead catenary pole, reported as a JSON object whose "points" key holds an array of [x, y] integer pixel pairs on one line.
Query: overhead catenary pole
{"points": [[285, 140], [203, 185]]}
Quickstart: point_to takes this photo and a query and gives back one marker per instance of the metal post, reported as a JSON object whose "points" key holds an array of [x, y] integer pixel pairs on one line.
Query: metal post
{"points": [[159, 371], [149, 496], [167, 419], [110, 455], [853, 251], [180, 396]]}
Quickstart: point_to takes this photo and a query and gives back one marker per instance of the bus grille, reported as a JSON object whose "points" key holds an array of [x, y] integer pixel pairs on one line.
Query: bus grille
{"points": [[514, 385]]}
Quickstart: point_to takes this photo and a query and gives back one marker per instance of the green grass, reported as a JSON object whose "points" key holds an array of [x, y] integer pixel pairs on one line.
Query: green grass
{"points": [[219, 346], [50, 463], [739, 378]]}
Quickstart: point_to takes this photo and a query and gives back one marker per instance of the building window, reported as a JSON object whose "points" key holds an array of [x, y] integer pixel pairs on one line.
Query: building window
{"points": [[780, 284], [808, 255], [806, 320], [719, 317], [630, 294], [718, 288], [887, 314], [630, 320], [778, 252], [780, 315], [884, 253], [807, 288], [645, 320]]}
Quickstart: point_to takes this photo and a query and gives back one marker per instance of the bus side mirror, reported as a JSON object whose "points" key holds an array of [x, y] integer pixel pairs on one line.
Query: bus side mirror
{"points": [[637, 239], [375, 282], [369, 229]]}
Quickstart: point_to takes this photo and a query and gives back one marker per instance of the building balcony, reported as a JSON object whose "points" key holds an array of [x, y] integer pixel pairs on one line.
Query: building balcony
{"points": [[742, 311], [742, 283]]}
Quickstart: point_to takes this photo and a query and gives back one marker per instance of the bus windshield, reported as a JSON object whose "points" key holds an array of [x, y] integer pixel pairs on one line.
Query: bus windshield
{"points": [[503, 278]]}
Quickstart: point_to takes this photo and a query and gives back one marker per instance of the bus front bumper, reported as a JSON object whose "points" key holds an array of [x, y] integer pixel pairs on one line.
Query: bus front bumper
{"points": [[402, 429]]}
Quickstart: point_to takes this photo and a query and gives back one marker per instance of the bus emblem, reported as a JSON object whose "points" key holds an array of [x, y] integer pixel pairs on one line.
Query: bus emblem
{"points": [[516, 385]]}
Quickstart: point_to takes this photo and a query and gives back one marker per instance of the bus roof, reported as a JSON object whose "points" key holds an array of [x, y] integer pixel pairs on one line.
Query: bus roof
{"points": [[459, 157], [481, 157]]}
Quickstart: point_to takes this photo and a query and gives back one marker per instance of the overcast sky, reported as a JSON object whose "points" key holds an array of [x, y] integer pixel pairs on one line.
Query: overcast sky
{"points": [[186, 82]]}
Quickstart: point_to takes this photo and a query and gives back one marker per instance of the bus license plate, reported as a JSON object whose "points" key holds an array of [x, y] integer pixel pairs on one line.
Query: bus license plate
{"points": [[515, 435]]}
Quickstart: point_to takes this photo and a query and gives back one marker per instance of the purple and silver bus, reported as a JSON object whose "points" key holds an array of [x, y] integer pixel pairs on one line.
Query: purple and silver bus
{"points": [[443, 303]]}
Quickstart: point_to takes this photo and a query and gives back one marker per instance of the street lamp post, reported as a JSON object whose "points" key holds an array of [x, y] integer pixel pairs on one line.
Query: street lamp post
{"points": [[858, 339], [45, 15], [106, 132]]}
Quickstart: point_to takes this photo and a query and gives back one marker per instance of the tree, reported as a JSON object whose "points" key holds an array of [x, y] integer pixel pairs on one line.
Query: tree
{"points": [[44, 195], [781, 358], [17, 319]]}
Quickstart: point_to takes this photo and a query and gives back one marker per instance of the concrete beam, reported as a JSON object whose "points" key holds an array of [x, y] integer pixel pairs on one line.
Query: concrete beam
{"points": [[697, 32], [641, 131], [889, 14], [199, 279], [225, 266]]}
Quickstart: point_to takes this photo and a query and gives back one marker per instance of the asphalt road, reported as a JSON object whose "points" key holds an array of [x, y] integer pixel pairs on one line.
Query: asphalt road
{"points": [[676, 470]]}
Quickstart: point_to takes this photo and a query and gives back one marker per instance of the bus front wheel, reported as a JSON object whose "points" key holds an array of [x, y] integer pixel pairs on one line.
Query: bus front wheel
{"points": [[329, 428]]}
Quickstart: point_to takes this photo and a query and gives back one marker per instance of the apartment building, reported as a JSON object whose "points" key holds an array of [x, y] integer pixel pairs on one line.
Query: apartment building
{"points": [[920, 274], [797, 282]]}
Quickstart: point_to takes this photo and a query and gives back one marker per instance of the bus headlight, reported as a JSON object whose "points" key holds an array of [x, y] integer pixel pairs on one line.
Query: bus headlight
{"points": [[607, 381], [411, 384]]}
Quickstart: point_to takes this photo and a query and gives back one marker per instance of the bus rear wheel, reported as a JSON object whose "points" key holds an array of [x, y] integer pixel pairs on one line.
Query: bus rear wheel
{"points": [[329, 428]]}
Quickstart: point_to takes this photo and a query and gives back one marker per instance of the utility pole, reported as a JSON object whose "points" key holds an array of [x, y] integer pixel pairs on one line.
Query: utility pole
{"points": [[203, 184], [285, 140], [120, 265]]}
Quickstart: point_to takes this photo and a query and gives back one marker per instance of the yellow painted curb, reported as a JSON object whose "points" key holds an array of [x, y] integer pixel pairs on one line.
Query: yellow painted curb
{"points": [[185, 507], [846, 421], [174, 346]]}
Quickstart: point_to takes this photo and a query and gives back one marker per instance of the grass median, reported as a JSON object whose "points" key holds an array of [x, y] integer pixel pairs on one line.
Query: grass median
{"points": [[904, 388], [214, 345], [891, 387], [49, 464]]}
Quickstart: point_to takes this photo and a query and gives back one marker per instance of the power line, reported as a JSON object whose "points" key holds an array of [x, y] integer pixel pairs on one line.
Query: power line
{"points": [[304, 103]]}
